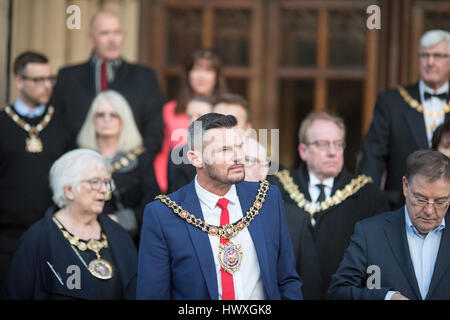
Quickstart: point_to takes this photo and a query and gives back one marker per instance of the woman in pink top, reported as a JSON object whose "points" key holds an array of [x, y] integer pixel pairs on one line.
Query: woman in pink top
{"points": [[203, 77]]}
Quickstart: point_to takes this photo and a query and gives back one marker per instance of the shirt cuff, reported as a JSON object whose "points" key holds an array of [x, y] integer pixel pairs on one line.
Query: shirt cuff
{"points": [[390, 294]]}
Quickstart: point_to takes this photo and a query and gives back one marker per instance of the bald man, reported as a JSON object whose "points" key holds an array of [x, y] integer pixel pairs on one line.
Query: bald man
{"points": [[78, 85]]}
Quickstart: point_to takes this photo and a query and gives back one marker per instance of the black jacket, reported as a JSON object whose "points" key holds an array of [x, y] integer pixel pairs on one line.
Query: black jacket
{"points": [[75, 91], [30, 276], [397, 130], [319, 249]]}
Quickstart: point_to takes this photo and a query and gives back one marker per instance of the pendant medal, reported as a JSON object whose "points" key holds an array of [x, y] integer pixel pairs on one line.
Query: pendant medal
{"points": [[33, 144], [230, 256], [101, 269]]}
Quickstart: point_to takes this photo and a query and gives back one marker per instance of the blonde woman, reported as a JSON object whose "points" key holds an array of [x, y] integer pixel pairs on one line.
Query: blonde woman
{"points": [[111, 130]]}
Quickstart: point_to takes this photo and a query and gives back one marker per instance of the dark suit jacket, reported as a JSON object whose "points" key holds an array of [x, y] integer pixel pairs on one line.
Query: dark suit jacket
{"points": [[319, 249], [396, 131], [30, 277], [382, 241], [75, 91], [176, 259]]}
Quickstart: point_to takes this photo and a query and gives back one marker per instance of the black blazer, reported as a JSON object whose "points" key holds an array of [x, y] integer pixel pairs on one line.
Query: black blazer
{"points": [[75, 90], [30, 277], [382, 241], [319, 249], [396, 131]]}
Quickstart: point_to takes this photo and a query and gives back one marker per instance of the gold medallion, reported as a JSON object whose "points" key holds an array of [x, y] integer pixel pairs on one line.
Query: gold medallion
{"points": [[230, 256], [33, 144], [100, 268]]}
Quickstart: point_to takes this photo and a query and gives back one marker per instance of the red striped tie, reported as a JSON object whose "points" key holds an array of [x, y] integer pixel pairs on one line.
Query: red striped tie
{"points": [[227, 278], [104, 79]]}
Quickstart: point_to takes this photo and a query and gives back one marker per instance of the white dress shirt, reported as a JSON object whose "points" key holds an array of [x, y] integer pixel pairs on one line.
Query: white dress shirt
{"points": [[25, 111], [314, 190], [434, 105], [247, 279]]}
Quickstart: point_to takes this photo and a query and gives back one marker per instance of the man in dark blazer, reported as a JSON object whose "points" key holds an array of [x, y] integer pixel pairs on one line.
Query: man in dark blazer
{"points": [[323, 201], [77, 85], [180, 256], [404, 118], [403, 254]]}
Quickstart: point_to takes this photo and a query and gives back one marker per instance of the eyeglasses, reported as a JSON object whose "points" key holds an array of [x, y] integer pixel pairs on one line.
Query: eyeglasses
{"points": [[423, 203], [251, 161], [40, 80], [436, 56], [97, 183], [104, 115], [324, 145]]}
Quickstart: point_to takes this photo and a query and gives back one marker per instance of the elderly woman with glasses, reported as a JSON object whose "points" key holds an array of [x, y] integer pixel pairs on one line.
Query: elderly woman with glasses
{"points": [[111, 130], [75, 252]]}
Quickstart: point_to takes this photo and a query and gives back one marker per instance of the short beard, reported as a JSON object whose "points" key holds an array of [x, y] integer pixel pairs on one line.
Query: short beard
{"points": [[214, 174]]}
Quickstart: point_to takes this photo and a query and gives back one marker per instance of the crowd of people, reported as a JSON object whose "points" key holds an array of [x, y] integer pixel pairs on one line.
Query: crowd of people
{"points": [[109, 192]]}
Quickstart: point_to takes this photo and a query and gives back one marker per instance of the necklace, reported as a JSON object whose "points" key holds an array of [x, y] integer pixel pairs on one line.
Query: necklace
{"points": [[314, 207], [99, 268], [127, 158], [418, 107], [33, 144], [230, 255]]}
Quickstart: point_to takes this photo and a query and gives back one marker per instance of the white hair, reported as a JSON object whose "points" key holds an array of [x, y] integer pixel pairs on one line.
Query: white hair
{"points": [[69, 170], [433, 37], [253, 147], [130, 137]]}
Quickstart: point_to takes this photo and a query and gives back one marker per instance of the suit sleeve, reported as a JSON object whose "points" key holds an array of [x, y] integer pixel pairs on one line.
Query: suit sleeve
{"points": [[349, 281], [376, 142], [153, 122], [154, 262], [289, 282]]}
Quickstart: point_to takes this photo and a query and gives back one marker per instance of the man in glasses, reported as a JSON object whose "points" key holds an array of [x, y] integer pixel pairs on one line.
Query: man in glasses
{"points": [[404, 118], [323, 201], [408, 250], [32, 136]]}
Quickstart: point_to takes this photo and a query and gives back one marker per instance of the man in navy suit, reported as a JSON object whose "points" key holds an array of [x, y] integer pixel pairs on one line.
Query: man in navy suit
{"points": [[217, 237], [403, 254], [404, 118]]}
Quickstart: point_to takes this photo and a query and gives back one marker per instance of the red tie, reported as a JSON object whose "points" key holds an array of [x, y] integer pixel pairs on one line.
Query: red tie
{"points": [[227, 278], [104, 80]]}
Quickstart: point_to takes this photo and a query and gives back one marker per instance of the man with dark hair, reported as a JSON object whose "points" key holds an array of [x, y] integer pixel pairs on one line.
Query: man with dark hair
{"points": [[403, 254], [218, 237], [32, 136], [78, 85], [235, 105], [323, 201]]}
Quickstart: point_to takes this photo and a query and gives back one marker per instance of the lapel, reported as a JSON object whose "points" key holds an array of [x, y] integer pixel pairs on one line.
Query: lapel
{"points": [[416, 121], [447, 115], [125, 260], [442, 260], [395, 232], [120, 76], [246, 198], [87, 79], [200, 240]]}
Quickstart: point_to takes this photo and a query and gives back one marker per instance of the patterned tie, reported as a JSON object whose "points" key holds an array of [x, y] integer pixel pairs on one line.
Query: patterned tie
{"points": [[227, 278], [322, 192], [104, 79]]}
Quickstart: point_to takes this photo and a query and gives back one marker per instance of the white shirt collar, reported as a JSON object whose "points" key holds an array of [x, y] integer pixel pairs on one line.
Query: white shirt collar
{"points": [[313, 180], [409, 224], [210, 199], [25, 111], [423, 87]]}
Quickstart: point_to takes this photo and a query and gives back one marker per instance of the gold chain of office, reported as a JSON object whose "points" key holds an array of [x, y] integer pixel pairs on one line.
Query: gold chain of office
{"points": [[227, 231], [313, 207], [418, 107]]}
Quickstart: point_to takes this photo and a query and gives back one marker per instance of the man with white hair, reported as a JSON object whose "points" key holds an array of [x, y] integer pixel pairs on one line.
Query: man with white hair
{"points": [[405, 118]]}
